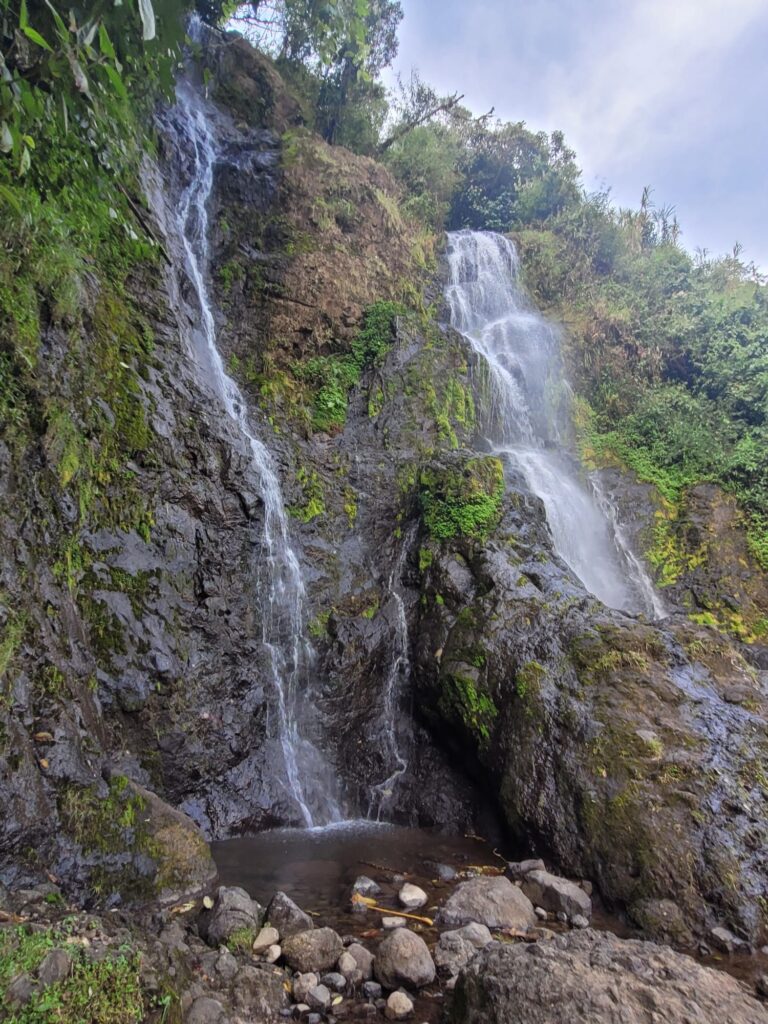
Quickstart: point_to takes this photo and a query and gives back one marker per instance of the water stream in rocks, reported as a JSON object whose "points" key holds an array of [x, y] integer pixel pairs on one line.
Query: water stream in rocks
{"points": [[529, 415], [396, 738], [278, 577]]}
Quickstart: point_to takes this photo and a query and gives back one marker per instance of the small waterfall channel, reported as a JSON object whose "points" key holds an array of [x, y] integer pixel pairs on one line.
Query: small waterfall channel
{"points": [[277, 577], [529, 416]]}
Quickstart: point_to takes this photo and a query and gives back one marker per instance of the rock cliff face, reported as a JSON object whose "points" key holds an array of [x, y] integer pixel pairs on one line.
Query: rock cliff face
{"points": [[137, 675]]}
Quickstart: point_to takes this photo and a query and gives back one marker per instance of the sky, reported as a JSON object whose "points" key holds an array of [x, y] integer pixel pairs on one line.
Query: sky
{"points": [[667, 93]]}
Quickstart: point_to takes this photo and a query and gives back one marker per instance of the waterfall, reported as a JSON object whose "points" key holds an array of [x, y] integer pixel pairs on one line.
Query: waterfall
{"points": [[528, 417], [394, 744], [278, 579]]}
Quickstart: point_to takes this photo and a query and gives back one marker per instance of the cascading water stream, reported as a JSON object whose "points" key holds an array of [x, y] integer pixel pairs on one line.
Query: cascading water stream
{"points": [[528, 417], [393, 743], [281, 587]]}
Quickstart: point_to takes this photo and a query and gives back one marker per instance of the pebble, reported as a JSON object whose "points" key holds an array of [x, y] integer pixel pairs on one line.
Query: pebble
{"points": [[392, 922], [302, 983], [267, 937], [412, 897], [314, 1018], [372, 990], [762, 985], [273, 954], [347, 964], [334, 981], [579, 921], [300, 1008], [398, 1007], [541, 913], [319, 997], [366, 886], [562, 917]]}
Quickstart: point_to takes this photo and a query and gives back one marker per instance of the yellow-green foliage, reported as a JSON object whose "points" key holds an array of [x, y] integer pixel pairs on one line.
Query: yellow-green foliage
{"points": [[460, 696], [312, 504]]}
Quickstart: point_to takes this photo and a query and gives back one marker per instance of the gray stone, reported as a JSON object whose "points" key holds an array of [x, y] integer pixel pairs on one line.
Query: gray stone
{"points": [[315, 950], [403, 958], [453, 952], [273, 954], [314, 1018], [365, 886], [55, 967], [205, 1010], [412, 897], [225, 965], [286, 916], [335, 981], [20, 990], [541, 913], [492, 901], [389, 923], [762, 985], [258, 991], [233, 911], [593, 977], [725, 940], [347, 964], [556, 895], [319, 998], [478, 934], [579, 921], [399, 1007], [302, 983], [520, 868], [372, 990], [363, 958]]}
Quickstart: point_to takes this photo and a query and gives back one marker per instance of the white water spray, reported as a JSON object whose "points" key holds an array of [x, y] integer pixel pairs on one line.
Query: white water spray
{"points": [[281, 587], [528, 417]]}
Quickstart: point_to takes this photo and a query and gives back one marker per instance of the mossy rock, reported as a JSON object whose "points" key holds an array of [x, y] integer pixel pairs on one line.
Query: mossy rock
{"points": [[462, 499]]}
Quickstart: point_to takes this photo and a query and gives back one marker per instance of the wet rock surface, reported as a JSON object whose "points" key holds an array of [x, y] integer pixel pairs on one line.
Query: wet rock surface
{"points": [[591, 978], [494, 902]]}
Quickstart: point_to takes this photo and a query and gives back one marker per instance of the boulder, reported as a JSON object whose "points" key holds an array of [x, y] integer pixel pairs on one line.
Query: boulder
{"points": [[556, 895], [317, 949], [518, 869], [286, 916], [403, 958], [205, 1010], [492, 901], [233, 911], [593, 977]]}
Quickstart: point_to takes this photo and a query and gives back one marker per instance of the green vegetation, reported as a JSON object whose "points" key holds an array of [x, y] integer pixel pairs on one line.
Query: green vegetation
{"points": [[475, 709], [104, 991], [331, 378], [462, 501], [312, 504]]}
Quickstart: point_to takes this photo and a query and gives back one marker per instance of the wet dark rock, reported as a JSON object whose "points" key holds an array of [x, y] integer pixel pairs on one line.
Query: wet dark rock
{"points": [[286, 916], [372, 990], [317, 950], [663, 921], [593, 976], [334, 981], [556, 894], [233, 911], [403, 958], [493, 901]]}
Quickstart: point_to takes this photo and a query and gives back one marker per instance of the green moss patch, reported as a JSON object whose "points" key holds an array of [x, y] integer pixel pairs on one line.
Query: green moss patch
{"points": [[464, 501]]}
